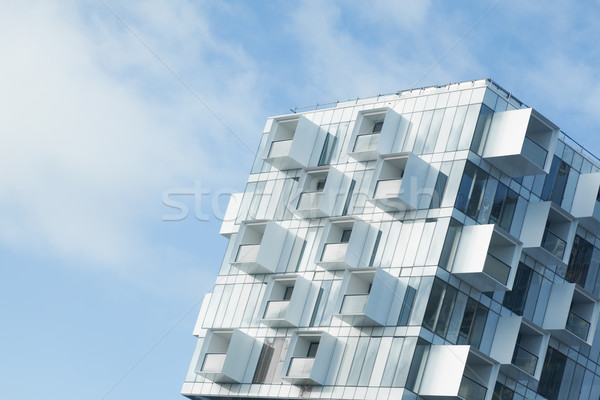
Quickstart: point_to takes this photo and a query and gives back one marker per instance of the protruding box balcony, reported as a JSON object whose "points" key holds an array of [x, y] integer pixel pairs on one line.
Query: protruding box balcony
{"points": [[586, 203], [318, 192], [529, 343], [548, 232], [519, 142], [571, 314], [345, 243], [366, 296], [372, 131], [458, 372], [308, 357], [402, 182], [258, 247], [291, 142], [284, 301], [486, 258], [225, 355]]}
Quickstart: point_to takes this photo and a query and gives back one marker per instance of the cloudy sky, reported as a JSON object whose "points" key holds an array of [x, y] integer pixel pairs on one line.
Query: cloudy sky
{"points": [[108, 106]]}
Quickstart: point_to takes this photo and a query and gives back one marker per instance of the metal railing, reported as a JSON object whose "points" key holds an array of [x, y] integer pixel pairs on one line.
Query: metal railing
{"points": [[247, 253], [309, 200], [213, 362], [280, 148], [496, 268], [534, 152], [578, 325], [300, 367], [387, 188], [366, 142], [554, 244], [276, 309], [354, 304], [525, 360], [471, 390], [334, 252]]}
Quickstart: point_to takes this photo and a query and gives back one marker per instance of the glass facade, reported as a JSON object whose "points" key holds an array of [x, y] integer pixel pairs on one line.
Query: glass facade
{"points": [[311, 327]]}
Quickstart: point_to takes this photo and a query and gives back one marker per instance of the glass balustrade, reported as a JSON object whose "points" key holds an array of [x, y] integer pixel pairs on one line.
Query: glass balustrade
{"points": [[309, 200], [525, 360], [496, 268], [300, 367], [534, 152], [578, 325], [554, 244], [280, 148], [471, 390], [387, 188], [367, 142], [247, 253], [213, 362], [334, 252], [276, 309], [354, 304]]}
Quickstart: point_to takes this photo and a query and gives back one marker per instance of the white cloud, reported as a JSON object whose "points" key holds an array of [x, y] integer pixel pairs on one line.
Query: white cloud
{"points": [[94, 128]]}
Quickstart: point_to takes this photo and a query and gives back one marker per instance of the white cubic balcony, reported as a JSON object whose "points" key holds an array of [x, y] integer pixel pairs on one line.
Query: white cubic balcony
{"points": [[318, 191], [345, 243], [284, 301], [548, 232], [373, 130], [571, 314], [586, 203], [458, 372], [529, 343], [225, 356], [402, 182], [308, 357], [258, 247], [291, 142], [486, 258], [519, 142], [366, 296]]}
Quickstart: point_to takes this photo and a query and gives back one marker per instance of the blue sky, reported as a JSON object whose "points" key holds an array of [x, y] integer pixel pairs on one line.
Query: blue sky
{"points": [[98, 123]]}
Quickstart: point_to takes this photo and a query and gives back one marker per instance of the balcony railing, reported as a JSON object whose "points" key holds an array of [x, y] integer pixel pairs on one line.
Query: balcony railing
{"points": [[554, 244], [309, 200], [300, 367], [367, 142], [525, 360], [471, 390], [276, 309], [496, 268], [334, 252], [247, 253], [387, 188], [534, 152], [280, 148], [578, 325], [213, 362], [354, 304]]}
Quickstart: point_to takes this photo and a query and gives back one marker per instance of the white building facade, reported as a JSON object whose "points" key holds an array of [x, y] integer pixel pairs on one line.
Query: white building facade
{"points": [[435, 243]]}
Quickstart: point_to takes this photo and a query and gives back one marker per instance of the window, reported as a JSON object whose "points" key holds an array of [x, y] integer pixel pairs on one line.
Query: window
{"points": [[473, 322], [287, 295], [346, 235], [471, 190], [407, 304], [450, 244], [556, 181], [579, 261], [552, 373], [515, 299], [377, 127], [264, 361], [481, 129], [438, 191], [439, 308], [312, 350], [320, 185], [502, 392], [417, 366], [328, 148]]}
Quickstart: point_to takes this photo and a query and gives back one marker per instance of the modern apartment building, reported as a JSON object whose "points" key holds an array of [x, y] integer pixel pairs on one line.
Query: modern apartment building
{"points": [[434, 243]]}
